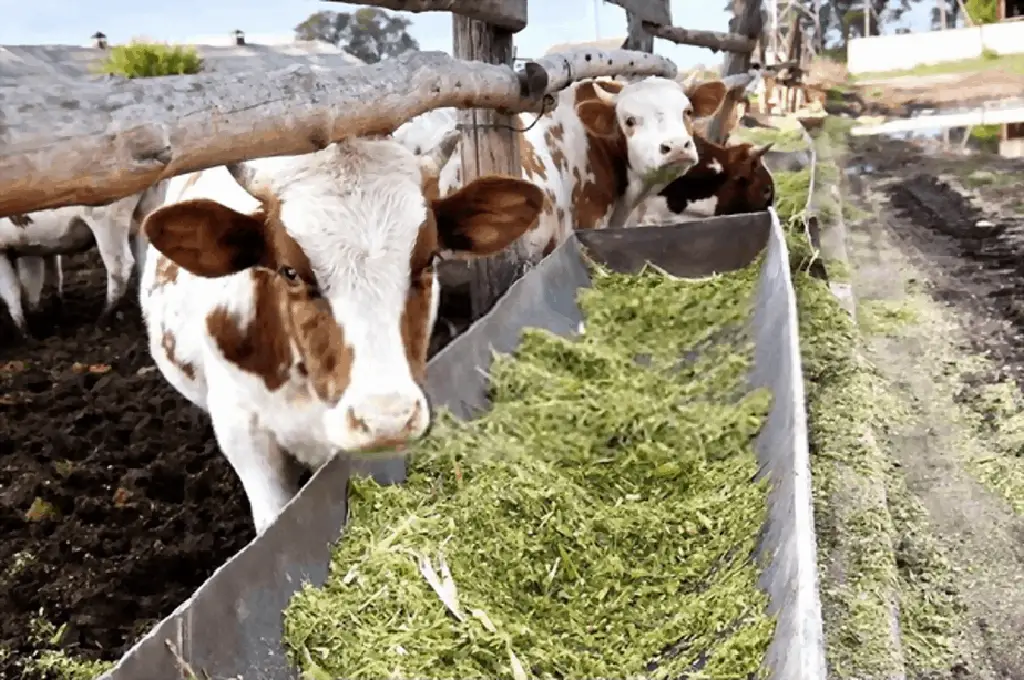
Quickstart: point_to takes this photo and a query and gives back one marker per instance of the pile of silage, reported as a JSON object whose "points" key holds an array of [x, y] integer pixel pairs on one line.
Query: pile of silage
{"points": [[600, 521]]}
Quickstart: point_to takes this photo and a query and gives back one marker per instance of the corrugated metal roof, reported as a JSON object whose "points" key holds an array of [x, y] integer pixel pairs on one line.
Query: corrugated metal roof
{"points": [[71, 61]]}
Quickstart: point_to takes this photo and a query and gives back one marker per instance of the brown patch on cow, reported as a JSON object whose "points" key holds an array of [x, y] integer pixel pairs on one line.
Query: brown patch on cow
{"points": [[557, 131], [169, 344], [550, 202], [415, 334], [558, 158], [531, 162], [21, 221], [166, 272], [283, 251], [285, 311]]}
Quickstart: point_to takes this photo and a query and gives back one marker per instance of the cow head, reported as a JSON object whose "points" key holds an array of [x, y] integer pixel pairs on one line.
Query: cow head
{"points": [[749, 186], [341, 262], [655, 117]]}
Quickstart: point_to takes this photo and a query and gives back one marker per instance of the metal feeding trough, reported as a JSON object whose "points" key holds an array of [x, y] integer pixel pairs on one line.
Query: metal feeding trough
{"points": [[232, 626]]}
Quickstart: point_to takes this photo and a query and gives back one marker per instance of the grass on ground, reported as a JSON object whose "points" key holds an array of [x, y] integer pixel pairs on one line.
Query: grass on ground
{"points": [[1011, 63]]}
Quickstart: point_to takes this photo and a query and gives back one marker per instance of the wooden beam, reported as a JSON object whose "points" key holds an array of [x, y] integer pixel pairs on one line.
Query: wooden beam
{"points": [[713, 40], [93, 142], [510, 15], [655, 11], [746, 21], [489, 147], [637, 38]]}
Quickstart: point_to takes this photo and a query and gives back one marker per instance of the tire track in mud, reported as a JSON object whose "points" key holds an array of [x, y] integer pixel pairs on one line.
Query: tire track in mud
{"points": [[976, 264], [981, 260]]}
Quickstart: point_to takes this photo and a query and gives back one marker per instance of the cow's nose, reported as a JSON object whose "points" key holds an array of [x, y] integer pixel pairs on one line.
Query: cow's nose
{"points": [[678, 150], [387, 418]]}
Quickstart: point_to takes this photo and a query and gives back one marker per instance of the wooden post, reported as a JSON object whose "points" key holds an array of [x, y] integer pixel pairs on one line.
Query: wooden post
{"points": [[636, 37], [489, 146], [746, 21]]}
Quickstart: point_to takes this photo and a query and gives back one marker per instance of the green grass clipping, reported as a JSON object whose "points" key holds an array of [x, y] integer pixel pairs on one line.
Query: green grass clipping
{"points": [[600, 521]]}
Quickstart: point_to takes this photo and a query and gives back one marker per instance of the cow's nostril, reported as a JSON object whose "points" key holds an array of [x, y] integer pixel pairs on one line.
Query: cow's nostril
{"points": [[688, 145], [665, 148]]}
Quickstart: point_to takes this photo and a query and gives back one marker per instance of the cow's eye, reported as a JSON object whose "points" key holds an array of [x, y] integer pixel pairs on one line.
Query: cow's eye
{"points": [[288, 273], [630, 121], [689, 111]]}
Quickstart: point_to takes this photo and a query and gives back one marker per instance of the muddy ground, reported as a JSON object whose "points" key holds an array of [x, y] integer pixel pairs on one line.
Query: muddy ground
{"points": [[944, 253], [114, 502]]}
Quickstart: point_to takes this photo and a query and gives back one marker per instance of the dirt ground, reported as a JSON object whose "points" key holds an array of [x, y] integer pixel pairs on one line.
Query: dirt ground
{"points": [[114, 501], [949, 260]]}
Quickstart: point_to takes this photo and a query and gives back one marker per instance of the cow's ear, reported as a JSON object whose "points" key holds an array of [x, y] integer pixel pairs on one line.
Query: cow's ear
{"points": [[598, 117], [707, 97], [207, 238], [487, 214]]}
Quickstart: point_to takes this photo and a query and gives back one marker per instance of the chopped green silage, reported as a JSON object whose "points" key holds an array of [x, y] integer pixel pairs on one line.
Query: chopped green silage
{"points": [[599, 521]]}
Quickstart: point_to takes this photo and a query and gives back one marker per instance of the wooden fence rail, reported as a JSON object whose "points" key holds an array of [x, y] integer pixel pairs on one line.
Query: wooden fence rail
{"points": [[90, 143]]}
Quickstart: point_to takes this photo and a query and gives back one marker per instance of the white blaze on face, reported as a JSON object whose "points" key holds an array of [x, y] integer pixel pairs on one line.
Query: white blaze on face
{"points": [[652, 114]]}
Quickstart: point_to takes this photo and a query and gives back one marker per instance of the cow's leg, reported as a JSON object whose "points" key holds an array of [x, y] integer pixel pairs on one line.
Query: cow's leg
{"points": [[112, 239], [53, 277], [30, 275], [267, 475], [10, 292]]}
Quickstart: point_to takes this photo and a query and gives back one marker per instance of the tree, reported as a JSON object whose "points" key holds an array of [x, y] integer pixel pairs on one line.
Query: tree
{"points": [[370, 34], [982, 11]]}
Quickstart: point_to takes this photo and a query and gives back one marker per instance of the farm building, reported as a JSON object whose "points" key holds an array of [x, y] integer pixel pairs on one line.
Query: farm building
{"points": [[1011, 140]]}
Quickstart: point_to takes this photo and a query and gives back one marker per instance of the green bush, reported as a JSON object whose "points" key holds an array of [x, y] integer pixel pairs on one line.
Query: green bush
{"points": [[981, 11], [146, 60], [987, 136]]}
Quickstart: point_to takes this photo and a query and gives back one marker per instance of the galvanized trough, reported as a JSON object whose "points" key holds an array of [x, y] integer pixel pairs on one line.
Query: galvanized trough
{"points": [[232, 626]]}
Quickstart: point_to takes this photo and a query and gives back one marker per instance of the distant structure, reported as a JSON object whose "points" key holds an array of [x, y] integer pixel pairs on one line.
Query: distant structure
{"points": [[99, 40], [1010, 10], [1011, 140], [239, 37]]}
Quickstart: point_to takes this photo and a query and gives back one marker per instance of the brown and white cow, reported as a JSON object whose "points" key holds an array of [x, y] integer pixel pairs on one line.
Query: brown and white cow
{"points": [[728, 180], [604, 147], [292, 298]]}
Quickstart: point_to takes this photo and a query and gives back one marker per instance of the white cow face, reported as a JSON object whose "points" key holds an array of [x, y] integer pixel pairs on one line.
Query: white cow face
{"points": [[655, 117]]}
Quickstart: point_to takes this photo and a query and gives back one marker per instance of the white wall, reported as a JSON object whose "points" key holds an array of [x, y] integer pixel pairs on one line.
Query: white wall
{"points": [[1011, 148], [899, 52]]}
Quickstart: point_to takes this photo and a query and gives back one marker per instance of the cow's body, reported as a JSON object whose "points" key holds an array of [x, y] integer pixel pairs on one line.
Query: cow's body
{"points": [[296, 311], [602, 149], [31, 246]]}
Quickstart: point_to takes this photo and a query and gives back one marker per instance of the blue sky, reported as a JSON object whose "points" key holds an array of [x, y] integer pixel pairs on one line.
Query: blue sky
{"points": [[551, 21]]}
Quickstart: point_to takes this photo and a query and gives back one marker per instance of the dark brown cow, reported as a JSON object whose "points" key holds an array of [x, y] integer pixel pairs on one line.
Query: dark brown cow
{"points": [[728, 180]]}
